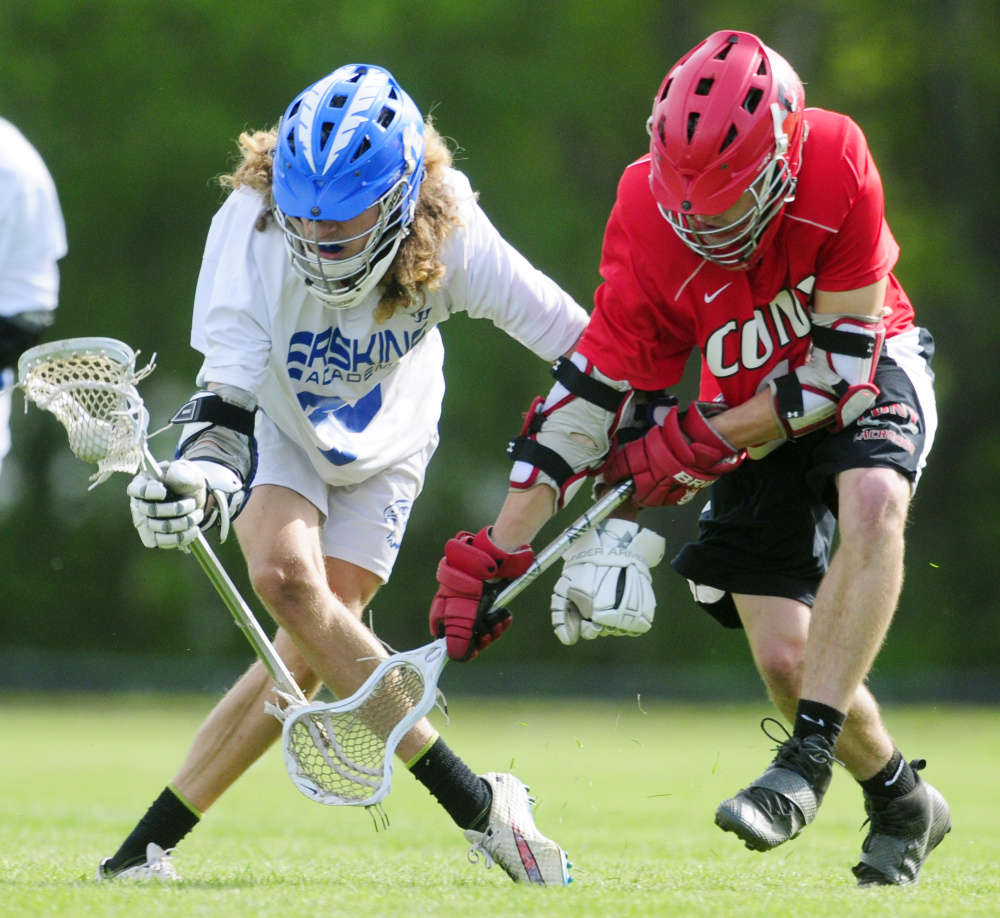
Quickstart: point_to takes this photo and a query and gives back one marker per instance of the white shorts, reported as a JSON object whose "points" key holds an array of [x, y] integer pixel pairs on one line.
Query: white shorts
{"points": [[6, 382], [362, 523]]}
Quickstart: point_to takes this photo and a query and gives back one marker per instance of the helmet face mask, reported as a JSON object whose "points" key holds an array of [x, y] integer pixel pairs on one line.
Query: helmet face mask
{"points": [[342, 282], [350, 142], [727, 122], [734, 245]]}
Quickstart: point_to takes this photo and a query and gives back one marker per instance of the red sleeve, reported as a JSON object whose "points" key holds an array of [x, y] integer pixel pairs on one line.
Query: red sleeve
{"points": [[863, 249], [635, 333]]}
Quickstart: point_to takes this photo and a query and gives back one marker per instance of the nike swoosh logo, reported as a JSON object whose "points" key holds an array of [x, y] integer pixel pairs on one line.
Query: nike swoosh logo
{"points": [[899, 771], [708, 299], [820, 722]]}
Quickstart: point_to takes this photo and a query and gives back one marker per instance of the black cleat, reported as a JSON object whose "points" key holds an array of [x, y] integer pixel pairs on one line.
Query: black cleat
{"points": [[784, 800], [903, 832]]}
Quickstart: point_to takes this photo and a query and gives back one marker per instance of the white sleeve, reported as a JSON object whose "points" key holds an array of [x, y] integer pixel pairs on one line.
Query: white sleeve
{"points": [[231, 324], [491, 279], [32, 231]]}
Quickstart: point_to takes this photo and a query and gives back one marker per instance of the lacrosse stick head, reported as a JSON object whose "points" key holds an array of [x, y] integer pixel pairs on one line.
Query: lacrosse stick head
{"points": [[341, 754], [89, 385]]}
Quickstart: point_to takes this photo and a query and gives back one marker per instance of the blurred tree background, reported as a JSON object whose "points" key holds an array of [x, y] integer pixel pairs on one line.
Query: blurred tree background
{"points": [[136, 105]]}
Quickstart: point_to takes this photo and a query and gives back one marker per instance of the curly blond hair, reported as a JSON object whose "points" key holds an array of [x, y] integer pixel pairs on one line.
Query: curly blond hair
{"points": [[417, 268]]}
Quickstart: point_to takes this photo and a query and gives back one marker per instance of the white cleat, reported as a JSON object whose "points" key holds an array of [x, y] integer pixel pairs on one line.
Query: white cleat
{"points": [[157, 866], [513, 841]]}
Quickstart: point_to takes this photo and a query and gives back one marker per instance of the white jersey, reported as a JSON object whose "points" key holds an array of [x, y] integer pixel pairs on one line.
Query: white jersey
{"points": [[32, 232], [358, 395]]}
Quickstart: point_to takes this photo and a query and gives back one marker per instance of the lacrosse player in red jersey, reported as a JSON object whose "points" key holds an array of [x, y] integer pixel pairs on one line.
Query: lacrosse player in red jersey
{"points": [[754, 231], [346, 240], [32, 240]]}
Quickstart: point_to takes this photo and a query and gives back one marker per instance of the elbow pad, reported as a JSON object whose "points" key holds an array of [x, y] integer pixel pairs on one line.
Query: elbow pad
{"points": [[567, 435], [218, 435], [836, 385]]}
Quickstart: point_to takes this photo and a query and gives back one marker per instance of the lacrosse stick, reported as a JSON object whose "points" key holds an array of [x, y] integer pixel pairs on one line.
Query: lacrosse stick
{"points": [[341, 753], [89, 385]]}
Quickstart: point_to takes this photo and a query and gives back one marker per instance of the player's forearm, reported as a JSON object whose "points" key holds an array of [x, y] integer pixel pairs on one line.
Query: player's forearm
{"points": [[749, 424], [522, 516]]}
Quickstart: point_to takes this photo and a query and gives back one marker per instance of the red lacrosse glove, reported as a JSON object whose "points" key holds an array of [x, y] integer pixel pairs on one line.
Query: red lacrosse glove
{"points": [[461, 611], [674, 460]]}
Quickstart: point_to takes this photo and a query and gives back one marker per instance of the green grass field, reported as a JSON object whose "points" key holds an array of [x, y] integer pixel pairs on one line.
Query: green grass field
{"points": [[629, 789]]}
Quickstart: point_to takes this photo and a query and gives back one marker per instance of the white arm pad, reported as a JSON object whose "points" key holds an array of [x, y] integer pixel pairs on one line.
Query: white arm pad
{"points": [[217, 442], [217, 438], [836, 385], [577, 430]]}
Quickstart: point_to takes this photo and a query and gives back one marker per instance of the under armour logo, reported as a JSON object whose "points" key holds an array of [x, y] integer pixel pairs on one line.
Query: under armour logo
{"points": [[622, 539]]}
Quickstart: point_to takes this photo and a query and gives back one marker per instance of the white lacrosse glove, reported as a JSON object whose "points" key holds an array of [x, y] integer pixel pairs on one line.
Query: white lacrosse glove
{"points": [[170, 513], [606, 587]]}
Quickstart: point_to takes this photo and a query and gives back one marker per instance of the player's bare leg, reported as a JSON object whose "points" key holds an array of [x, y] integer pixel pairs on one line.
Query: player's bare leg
{"points": [[857, 598], [238, 731], [279, 533], [233, 736], [777, 629], [814, 664]]}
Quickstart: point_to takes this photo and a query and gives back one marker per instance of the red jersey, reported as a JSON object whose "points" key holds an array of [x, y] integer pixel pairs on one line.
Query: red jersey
{"points": [[659, 300]]}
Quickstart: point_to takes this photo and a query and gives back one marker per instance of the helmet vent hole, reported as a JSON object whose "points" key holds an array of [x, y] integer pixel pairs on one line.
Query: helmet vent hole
{"points": [[704, 86], [752, 100], [662, 128], [291, 142], [731, 135], [385, 117], [363, 148], [338, 101], [666, 89], [724, 53], [325, 133], [356, 78], [295, 109], [762, 69], [692, 124]]}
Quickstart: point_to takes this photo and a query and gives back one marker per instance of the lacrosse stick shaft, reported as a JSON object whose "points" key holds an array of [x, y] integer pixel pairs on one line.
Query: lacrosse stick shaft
{"points": [[558, 546], [258, 639], [241, 612]]}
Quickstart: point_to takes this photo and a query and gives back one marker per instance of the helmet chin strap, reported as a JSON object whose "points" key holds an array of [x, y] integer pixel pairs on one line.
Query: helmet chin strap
{"points": [[780, 137]]}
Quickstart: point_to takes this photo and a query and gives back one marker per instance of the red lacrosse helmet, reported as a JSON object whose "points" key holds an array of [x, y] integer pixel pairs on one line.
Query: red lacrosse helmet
{"points": [[727, 120]]}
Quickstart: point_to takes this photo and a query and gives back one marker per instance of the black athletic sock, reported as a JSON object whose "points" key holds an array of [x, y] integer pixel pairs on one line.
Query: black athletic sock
{"points": [[896, 779], [166, 822], [812, 717], [466, 797]]}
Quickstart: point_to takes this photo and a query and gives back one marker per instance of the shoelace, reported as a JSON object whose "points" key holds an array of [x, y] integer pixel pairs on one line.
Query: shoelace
{"points": [[791, 755], [162, 864], [477, 849], [771, 802]]}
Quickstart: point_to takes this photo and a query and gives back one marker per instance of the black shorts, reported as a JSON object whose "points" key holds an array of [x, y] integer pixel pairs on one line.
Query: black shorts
{"points": [[769, 526]]}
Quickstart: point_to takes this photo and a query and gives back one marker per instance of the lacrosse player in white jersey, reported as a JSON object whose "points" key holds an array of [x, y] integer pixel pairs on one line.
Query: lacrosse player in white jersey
{"points": [[32, 240], [346, 239]]}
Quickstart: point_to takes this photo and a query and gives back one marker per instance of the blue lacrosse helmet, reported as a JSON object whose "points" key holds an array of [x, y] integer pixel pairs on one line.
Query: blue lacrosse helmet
{"points": [[348, 142]]}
